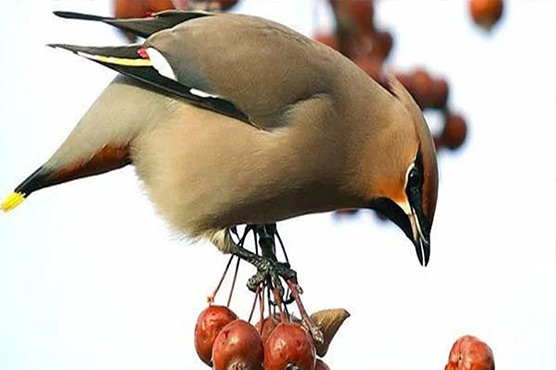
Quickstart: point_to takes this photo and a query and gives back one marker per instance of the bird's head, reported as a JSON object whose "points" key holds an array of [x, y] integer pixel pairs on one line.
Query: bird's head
{"points": [[404, 183]]}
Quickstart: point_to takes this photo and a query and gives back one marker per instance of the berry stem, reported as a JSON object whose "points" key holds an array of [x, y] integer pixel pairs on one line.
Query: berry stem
{"points": [[278, 299], [210, 298], [316, 333], [254, 304], [261, 309], [233, 283]]}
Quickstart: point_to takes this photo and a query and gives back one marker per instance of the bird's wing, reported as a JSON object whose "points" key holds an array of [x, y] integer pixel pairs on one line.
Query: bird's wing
{"points": [[246, 67], [142, 27], [134, 61]]}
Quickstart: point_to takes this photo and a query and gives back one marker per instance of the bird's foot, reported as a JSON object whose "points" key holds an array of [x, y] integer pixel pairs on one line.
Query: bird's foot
{"points": [[268, 269], [271, 272]]}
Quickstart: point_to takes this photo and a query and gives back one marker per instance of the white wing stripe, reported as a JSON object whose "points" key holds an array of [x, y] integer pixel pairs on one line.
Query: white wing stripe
{"points": [[160, 63]]}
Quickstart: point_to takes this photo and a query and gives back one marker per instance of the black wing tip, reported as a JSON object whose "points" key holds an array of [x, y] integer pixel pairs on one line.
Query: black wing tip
{"points": [[162, 14], [142, 27], [80, 16], [55, 46], [68, 47]]}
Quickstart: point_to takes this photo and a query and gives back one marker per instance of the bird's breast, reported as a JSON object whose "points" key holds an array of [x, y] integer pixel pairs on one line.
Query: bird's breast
{"points": [[205, 171]]}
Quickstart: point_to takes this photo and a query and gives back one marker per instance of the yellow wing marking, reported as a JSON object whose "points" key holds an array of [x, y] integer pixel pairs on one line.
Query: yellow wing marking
{"points": [[139, 62]]}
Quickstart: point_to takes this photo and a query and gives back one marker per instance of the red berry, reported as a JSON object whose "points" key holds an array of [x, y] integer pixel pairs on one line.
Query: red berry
{"points": [[439, 93], [357, 45], [470, 353], [289, 344], [372, 66], [360, 12], [156, 6], [382, 44], [140, 8], [422, 88], [128, 9], [209, 324], [225, 4], [454, 132], [238, 346], [218, 4], [268, 326], [486, 13], [320, 365], [405, 79], [328, 39]]}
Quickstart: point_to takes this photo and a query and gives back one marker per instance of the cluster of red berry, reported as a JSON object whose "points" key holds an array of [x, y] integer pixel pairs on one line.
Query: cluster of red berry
{"points": [[432, 94], [225, 342], [279, 341]]}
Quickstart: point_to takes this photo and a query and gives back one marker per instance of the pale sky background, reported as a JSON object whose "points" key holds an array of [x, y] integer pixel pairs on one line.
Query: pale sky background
{"points": [[90, 278]]}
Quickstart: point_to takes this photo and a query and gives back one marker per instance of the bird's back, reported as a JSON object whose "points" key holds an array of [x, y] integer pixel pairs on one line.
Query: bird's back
{"points": [[260, 66]]}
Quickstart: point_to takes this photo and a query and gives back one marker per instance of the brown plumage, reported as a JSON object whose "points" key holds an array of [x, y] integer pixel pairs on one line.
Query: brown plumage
{"points": [[232, 119]]}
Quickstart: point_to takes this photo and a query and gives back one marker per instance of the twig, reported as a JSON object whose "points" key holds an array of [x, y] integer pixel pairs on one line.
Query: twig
{"points": [[210, 298], [233, 282], [278, 299], [315, 331], [254, 304], [261, 310]]}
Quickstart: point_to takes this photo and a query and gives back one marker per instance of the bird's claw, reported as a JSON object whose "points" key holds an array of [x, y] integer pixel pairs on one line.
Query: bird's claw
{"points": [[269, 270]]}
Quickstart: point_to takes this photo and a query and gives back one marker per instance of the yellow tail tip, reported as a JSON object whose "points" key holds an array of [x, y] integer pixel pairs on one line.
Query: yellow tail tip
{"points": [[12, 201]]}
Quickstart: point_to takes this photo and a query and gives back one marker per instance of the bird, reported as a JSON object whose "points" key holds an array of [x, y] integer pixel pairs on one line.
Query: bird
{"points": [[234, 120]]}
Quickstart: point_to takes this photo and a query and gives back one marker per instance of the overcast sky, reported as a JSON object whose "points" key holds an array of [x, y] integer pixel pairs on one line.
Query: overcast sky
{"points": [[90, 277]]}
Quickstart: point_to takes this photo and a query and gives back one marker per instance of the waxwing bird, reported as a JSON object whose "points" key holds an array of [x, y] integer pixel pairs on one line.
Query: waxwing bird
{"points": [[232, 119]]}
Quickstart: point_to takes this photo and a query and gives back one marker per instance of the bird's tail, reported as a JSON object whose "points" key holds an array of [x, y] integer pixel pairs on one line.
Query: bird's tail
{"points": [[109, 158], [32, 183], [98, 144]]}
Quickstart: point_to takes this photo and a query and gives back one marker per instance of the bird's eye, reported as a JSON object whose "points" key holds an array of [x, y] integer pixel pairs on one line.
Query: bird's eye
{"points": [[414, 179]]}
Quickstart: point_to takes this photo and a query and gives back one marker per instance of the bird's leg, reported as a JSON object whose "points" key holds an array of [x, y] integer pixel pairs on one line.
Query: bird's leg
{"points": [[267, 265], [270, 270], [274, 270]]}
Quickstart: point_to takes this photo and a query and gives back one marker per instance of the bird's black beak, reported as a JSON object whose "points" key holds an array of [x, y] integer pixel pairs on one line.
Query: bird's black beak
{"points": [[420, 229], [410, 218], [421, 241]]}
